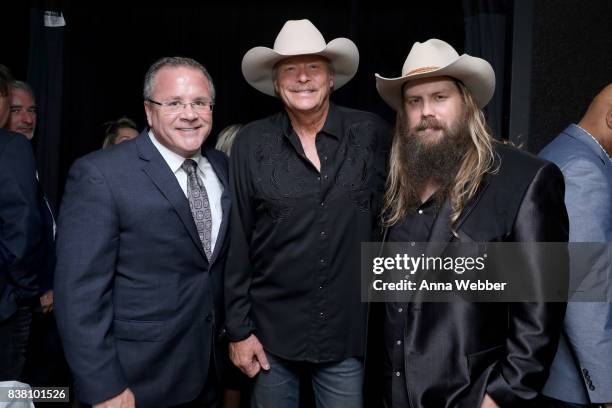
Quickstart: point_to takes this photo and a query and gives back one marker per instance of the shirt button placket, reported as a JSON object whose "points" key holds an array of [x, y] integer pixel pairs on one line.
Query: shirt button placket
{"points": [[323, 261]]}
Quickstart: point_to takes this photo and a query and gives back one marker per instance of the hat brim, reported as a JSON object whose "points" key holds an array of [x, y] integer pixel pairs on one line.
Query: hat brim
{"points": [[475, 73], [258, 62]]}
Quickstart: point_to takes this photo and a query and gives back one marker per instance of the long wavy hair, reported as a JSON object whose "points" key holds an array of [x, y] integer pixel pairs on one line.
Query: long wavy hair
{"points": [[478, 160]]}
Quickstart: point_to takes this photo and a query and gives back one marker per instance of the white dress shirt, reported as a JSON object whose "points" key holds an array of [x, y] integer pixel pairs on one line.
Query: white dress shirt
{"points": [[214, 188]]}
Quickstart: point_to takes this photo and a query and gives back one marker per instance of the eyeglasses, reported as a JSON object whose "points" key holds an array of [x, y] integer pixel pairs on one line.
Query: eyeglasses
{"points": [[176, 106]]}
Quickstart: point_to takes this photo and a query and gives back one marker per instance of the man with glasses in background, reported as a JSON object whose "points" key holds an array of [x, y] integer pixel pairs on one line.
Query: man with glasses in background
{"points": [[141, 245]]}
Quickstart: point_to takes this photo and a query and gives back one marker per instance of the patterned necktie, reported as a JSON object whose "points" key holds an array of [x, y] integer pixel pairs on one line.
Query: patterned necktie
{"points": [[199, 204]]}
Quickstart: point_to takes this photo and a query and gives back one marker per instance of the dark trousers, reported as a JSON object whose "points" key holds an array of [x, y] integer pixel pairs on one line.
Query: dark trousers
{"points": [[14, 334], [209, 396], [46, 365]]}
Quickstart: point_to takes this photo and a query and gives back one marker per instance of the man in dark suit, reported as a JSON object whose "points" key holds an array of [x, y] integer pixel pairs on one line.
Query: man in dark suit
{"points": [[451, 181], [141, 246], [20, 237], [45, 362]]}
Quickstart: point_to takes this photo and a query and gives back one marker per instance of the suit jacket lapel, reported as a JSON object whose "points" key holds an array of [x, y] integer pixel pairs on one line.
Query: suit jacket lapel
{"points": [[163, 178], [221, 172]]}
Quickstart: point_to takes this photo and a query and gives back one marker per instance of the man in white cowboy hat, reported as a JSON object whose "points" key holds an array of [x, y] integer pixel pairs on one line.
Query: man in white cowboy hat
{"points": [[307, 184], [449, 180]]}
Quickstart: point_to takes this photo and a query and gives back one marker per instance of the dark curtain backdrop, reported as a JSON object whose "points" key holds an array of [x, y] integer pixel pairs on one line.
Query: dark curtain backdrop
{"points": [[95, 64], [571, 63], [488, 34], [550, 59], [47, 52], [106, 50]]}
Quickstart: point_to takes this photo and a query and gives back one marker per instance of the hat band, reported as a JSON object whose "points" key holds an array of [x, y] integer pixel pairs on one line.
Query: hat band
{"points": [[421, 70]]}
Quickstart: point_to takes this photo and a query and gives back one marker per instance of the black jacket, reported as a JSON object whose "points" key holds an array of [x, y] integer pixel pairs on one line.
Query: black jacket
{"points": [[20, 223], [456, 352]]}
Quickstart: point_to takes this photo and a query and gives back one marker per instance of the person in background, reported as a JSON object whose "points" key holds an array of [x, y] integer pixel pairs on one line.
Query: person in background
{"points": [[118, 131], [45, 363], [22, 118], [20, 241], [581, 373], [225, 139]]}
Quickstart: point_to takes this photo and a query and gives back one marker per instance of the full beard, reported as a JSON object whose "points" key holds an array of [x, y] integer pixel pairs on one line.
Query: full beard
{"points": [[436, 162]]}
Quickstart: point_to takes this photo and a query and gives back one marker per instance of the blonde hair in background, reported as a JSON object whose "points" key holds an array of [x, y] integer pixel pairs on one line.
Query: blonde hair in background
{"points": [[226, 137], [477, 162]]}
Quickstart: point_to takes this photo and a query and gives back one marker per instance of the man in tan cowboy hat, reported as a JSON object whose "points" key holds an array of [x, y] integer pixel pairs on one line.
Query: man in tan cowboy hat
{"points": [[307, 184], [449, 180]]}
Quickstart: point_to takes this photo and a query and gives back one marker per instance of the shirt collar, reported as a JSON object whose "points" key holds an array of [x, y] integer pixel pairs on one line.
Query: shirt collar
{"points": [[174, 160], [332, 125], [579, 133]]}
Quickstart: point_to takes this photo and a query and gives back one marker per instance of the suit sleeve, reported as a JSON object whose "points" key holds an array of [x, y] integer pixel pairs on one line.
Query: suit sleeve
{"points": [[588, 325], [534, 327], [238, 270], [20, 224], [87, 245], [47, 267]]}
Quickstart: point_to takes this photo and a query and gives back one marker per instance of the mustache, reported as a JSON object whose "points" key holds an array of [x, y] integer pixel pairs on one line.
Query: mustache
{"points": [[432, 123], [300, 88]]}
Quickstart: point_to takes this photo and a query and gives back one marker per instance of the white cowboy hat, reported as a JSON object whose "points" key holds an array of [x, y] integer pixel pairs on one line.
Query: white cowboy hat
{"points": [[435, 58], [299, 37]]}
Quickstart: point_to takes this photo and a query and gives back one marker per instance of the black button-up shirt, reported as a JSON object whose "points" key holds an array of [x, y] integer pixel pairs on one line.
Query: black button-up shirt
{"points": [[416, 227], [292, 275]]}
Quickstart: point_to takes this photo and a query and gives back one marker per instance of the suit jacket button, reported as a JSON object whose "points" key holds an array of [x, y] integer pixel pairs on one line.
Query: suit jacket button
{"points": [[592, 387]]}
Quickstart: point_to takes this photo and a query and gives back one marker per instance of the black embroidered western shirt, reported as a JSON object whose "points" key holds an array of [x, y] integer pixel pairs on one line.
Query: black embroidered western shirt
{"points": [[293, 270]]}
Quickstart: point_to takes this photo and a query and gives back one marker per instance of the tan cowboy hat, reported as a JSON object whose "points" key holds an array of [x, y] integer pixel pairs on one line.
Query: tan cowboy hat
{"points": [[435, 58], [299, 37]]}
